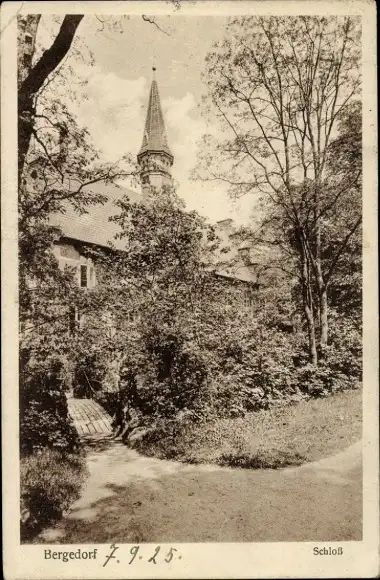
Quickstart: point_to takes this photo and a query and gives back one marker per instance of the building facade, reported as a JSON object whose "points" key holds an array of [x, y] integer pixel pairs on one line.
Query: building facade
{"points": [[94, 228]]}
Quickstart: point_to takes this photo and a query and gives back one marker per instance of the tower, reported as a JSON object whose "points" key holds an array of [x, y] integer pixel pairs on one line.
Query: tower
{"points": [[154, 158]]}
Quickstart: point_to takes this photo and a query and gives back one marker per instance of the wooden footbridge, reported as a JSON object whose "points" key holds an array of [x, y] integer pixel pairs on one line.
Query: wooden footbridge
{"points": [[90, 419]]}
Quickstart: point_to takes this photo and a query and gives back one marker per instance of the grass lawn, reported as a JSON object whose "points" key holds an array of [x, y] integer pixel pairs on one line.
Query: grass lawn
{"points": [[276, 438]]}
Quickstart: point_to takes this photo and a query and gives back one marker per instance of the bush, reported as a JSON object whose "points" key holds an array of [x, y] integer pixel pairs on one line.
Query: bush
{"points": [[262, 368], [50, 483], [176, 379], [244, 366], [344, 355], [44, 417], [262, 459], [256, 370], [340, 368], [169, 439], [164, 376]]}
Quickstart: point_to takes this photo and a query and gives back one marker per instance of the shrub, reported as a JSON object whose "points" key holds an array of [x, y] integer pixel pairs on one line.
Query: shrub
{"points": [[44, 417], [168, 439], [341, 366], [262, 368], [178, 373], [262, 459], [50, 483], [344, 355], [257, 369], [243, 366], [164, 376]]}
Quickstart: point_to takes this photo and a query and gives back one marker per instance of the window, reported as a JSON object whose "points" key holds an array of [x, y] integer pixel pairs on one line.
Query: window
{"points": [[245, 254], [131, 318], [92, 277], [76, 319], [247, 298], [86, 275], [83, 276]]}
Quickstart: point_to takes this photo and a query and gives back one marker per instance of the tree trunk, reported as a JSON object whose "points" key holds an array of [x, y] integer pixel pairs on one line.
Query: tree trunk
{"points": [[308, 303], [319, 278], [33, 82], [25, 128], [313, 355], [323, 319], [322, 307]]}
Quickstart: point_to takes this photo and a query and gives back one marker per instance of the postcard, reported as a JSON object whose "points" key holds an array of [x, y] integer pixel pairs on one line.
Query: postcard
{"points": [[189, 280]]}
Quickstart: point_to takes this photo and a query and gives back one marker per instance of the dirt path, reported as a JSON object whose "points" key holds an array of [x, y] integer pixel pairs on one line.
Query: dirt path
{"points": [[130, 498]]}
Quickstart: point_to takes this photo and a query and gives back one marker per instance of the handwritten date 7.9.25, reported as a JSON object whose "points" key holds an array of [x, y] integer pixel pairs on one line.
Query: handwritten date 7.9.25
{"points": [[156, 556]]}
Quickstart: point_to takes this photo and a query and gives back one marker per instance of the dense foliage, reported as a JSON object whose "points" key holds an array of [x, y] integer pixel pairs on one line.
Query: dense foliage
{"points": [[50, 482], [193, 350]]}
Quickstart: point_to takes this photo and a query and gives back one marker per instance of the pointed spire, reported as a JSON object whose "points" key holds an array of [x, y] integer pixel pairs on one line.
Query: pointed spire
{"points": [[154, 133]]}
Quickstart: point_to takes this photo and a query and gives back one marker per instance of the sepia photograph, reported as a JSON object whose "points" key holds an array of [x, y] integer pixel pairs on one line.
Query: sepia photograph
{"points": [[190, 279]]}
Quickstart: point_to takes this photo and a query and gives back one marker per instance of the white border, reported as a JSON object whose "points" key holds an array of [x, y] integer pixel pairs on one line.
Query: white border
{"points": [[264, 560]]}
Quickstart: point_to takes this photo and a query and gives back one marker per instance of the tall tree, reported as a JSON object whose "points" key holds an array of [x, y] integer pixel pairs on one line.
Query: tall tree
{"points": [[32, 77], [279, 87]]}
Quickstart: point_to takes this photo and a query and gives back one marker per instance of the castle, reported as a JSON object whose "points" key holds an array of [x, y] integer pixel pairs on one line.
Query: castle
{"points": [[155, 161]]}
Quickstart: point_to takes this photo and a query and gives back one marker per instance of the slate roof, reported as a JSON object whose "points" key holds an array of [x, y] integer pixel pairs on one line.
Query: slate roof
{"points": [[94, 227], [154, 133]]}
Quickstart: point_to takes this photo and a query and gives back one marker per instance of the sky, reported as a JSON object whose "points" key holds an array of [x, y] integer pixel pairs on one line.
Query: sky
{"points": [[118, 84]]}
